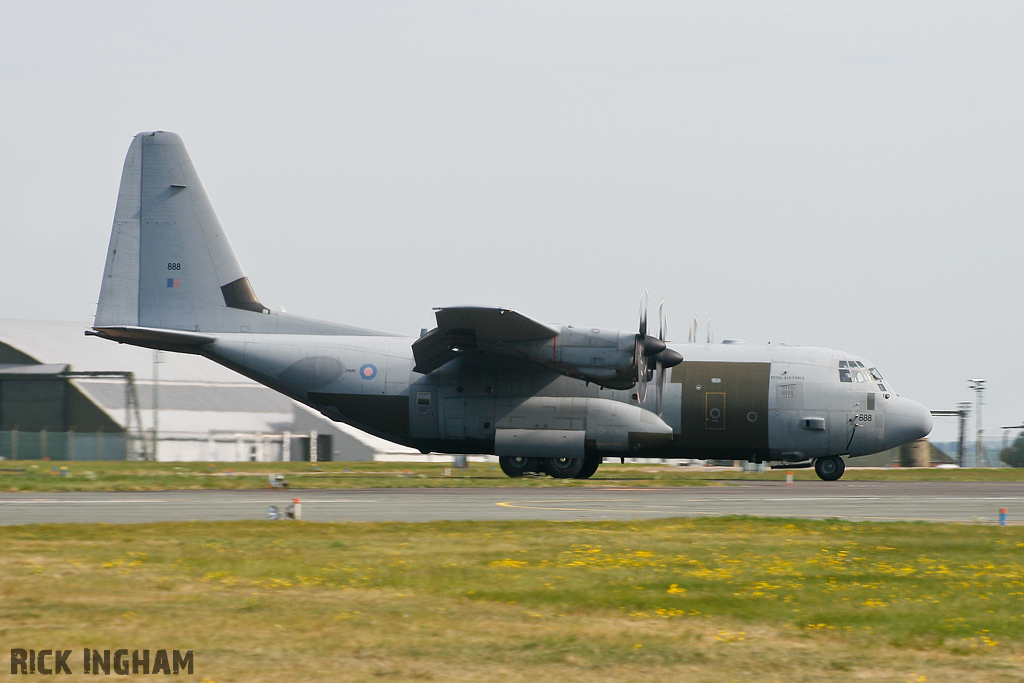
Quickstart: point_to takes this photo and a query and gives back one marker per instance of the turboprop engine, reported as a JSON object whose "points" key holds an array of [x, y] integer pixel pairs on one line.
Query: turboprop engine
{"points": [[605, 357]]}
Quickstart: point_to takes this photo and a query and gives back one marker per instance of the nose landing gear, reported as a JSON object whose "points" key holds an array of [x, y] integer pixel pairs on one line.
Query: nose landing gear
{"points": [[830, 468]]}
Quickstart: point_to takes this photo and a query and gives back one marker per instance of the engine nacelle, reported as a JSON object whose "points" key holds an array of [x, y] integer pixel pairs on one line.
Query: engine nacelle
{"points": [[550, 427], [605, 357]]}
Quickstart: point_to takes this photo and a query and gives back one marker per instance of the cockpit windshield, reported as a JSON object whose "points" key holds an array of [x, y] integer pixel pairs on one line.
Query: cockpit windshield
{"points": [[855, 372]]}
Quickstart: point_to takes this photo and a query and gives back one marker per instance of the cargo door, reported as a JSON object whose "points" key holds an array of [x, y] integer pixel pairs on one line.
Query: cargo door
{"points": [[724, 406]]}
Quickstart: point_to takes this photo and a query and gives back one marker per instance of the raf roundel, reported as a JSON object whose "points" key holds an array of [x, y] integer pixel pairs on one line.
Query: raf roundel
{"points": [[368, 371]]}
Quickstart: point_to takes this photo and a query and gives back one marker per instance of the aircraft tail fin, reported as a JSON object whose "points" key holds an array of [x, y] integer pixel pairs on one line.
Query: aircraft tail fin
{"points": [[169, 263]]}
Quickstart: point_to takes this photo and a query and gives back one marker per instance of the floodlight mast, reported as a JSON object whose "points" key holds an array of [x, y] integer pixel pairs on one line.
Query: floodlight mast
{"points": [[978, 386], [964, 410]]}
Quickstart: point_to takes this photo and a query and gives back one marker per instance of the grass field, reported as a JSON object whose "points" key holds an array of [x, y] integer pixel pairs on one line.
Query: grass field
{"points": [[26, 475], [700, 600]]}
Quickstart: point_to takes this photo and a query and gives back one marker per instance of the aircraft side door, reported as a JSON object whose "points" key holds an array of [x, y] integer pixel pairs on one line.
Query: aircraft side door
{"points": [[455, 418], [423, 410]]}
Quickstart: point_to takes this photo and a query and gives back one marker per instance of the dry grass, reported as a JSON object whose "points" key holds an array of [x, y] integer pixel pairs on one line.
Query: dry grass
{"points": [[732, 599]]}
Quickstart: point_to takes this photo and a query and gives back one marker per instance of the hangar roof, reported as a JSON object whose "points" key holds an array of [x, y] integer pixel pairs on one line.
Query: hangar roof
{"points": [[50, 341], [195, 393]]}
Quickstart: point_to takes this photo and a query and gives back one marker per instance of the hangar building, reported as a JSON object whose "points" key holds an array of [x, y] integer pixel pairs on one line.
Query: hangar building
{"points": [[66, 396]]}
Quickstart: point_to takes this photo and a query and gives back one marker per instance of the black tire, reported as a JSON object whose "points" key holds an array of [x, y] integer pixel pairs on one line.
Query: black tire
{"points": [[830, 468], [563, 468], [518, 466], [590, 464]]}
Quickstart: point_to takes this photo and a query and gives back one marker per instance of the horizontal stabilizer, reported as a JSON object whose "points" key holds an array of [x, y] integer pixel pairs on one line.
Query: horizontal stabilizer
{"points": [[153, 338]]}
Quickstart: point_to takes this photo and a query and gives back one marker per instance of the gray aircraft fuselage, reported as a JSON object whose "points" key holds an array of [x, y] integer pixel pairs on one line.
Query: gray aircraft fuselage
{"points": [[729, 401], [486, 380]]}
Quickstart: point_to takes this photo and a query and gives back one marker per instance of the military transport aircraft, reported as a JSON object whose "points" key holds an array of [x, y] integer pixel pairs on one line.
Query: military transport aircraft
{"points": [[543, 398]]}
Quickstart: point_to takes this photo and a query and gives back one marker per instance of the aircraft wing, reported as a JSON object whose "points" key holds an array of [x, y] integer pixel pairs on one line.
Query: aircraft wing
{"points": [[474, 328]]}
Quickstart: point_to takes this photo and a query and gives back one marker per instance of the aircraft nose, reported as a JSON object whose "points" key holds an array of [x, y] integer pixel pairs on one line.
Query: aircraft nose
{"points": [[906, 421]]}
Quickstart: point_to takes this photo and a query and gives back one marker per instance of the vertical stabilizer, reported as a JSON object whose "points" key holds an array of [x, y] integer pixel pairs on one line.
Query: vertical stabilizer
{"points": [[169, 263]]}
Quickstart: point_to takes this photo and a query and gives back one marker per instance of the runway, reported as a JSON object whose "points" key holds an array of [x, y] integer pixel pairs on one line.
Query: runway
{"points": [[882, 501]]}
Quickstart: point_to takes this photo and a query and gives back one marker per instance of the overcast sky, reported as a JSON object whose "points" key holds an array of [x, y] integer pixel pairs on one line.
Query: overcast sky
{"points": [[841, 174]]}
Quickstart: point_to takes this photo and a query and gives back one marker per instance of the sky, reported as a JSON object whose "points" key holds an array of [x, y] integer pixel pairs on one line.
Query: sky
{"points": [[840, 174]]}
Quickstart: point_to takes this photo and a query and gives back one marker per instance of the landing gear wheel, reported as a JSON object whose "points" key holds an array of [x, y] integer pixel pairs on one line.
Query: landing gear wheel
{"points": [[590, 464], [563, 468], [517, 466], [830, 468]]}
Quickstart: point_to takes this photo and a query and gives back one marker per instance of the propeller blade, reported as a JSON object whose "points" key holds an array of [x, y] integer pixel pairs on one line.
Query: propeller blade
{"points": [[662, 322], [644, 300], [711, 335], [662, 378], [641, 372], [692, 337]]}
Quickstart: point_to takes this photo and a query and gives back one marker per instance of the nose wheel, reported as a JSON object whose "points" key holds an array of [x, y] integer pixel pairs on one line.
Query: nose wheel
{"points": [[830, 468]]}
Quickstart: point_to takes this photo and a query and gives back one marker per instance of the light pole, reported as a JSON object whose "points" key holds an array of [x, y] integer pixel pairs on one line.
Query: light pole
{"points": [[978, 386], [156, 403], [964, 410]]}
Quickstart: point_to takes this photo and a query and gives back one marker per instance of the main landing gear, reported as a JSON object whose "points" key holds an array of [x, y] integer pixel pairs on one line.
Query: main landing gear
{"points": [[559, 468], [830, 468]]}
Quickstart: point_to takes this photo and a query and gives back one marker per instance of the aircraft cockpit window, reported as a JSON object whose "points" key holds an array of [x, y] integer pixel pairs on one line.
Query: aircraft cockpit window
{"points": [[842, 363], [876, 374], [844, 375], [881, 386]]}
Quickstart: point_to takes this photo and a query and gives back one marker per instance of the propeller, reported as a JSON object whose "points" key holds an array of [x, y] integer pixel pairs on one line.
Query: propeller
{"points": [[643, 349], [692, 336], [666, 358], [648, 349]]}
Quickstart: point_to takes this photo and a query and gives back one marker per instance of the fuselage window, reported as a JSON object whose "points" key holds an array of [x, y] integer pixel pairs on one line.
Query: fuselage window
{"points": [[881, 386], [423, 398], [844, 376]]}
